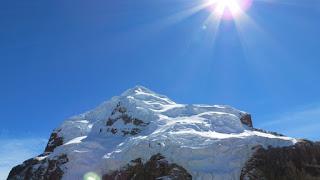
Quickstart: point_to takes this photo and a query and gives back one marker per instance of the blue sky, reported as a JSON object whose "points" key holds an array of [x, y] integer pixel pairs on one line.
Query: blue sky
{"points": [[60, 58]]}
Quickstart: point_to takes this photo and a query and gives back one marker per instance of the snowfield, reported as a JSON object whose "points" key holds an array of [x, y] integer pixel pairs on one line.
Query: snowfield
{"points": [[210, 142]]}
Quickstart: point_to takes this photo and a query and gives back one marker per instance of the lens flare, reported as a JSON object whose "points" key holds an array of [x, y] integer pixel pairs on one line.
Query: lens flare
{"points": [[229, 9], [91, 176]]}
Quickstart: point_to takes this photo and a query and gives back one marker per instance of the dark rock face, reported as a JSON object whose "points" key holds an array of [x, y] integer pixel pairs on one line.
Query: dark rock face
{"points": [[298, 162], [156, 168], [54, 141], [40, 168], [120, 114], [246, 119]]}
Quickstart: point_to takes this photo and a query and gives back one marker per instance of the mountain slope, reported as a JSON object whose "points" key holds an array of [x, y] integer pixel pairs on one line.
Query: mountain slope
{"points": [[144, 134]]}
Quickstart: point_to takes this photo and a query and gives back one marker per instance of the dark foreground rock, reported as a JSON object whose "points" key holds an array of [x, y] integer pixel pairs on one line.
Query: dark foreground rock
{"points": [[298, 162], [156, 168], [39, 168]]}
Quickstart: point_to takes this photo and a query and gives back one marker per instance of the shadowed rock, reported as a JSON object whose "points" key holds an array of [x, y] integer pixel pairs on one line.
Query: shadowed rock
{"points": [[246, 119], [298, 162], [54, 141], [156, 168], [120, 114], [39, 168]]}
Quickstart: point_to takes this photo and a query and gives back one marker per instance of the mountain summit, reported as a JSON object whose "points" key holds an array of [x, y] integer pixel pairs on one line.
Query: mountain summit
{"points": [[144, 135]]}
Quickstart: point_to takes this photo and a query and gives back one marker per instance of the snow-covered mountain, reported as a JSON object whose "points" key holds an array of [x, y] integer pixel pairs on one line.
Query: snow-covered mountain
{"points": [[143, 135]]}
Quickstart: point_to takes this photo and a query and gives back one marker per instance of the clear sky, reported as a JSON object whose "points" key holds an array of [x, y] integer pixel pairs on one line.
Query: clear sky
{"points": [[60, 58]]}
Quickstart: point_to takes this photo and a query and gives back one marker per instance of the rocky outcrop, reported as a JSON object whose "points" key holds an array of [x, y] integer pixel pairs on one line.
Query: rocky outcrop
{"points": [[298, 162], [120, 114], [156, 168], [39, 168], [246, 119], [54, 141]]}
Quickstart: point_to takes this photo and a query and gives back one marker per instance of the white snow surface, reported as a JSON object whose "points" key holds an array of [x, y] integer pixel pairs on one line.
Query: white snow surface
{"points": [[209, 141]]}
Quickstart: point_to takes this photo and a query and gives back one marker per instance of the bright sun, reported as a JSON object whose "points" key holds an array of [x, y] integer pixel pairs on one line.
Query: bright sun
{"points": [[229, 9]]}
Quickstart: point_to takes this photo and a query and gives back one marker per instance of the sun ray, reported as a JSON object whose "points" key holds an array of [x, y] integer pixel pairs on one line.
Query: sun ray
{"points": [[179, 16], [284, 2], [213, 23], [218, 11]]}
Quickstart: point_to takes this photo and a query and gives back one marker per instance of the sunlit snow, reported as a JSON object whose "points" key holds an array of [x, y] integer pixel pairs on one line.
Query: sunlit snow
{"points": [[209, 141]]}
